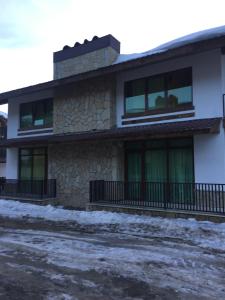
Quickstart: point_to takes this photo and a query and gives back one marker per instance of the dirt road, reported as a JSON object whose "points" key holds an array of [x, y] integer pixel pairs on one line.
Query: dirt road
{"points": [[45, 260]]}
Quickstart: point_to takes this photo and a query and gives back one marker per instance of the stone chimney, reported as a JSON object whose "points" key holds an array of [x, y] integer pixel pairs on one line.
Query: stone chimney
{"points": [[91, 55]]}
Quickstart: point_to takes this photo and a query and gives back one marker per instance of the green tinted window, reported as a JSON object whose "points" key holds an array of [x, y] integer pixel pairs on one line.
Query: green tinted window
{"points": [[33, 163], [25, 167], [38, 113], [179, 86], [26, 151], [166, 90], [49, 112], [135, 96], [26, 116], [39, 150], [156, 92]]}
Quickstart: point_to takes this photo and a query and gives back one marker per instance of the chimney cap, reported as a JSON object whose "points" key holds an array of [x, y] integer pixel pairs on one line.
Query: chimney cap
{"points": [[88, 46], [66, 47]]}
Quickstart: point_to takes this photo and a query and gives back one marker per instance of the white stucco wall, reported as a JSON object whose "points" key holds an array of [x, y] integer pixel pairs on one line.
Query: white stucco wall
{"points": [[209, 158], [12, 163], [14, 109]]}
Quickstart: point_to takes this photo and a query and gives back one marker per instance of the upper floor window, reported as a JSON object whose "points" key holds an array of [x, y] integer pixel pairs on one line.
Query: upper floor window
{"points": [[36, 114], [169, 90]]}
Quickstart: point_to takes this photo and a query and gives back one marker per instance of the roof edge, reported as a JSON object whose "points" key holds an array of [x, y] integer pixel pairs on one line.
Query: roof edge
{"points": [[186, 50]]}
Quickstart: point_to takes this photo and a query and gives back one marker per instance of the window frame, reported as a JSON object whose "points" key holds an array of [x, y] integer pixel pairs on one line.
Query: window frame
{"points": [[167, 108], [143, 147], [32, 154], [34, 104]]}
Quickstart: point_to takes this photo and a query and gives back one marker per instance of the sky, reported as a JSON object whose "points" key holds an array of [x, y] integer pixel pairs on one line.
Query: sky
{"points": [[31, 30]]}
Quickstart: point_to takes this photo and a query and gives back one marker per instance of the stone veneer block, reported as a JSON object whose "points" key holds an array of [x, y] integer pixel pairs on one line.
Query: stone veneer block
{"points": [[74, 165], [84, 63], [87, 105], [91, 55]]}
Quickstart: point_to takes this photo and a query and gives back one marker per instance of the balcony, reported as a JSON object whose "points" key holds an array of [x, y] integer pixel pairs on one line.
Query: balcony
{"points": [[28, 189], [201, 197]]}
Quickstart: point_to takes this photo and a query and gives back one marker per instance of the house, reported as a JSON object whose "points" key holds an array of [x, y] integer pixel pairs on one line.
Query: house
{"points": [[142, 129]]}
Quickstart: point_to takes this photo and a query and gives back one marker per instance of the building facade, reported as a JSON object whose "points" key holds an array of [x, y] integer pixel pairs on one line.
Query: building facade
{"points": [[152, 118]]}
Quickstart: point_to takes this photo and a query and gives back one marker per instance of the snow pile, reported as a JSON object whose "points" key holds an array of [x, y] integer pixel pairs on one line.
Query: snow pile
{"points": [[182, 41], [3, 114], [123, 223]]}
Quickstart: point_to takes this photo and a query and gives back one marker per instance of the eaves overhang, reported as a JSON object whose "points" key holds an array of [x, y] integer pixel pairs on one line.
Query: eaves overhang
{"points": [[161, 130]]}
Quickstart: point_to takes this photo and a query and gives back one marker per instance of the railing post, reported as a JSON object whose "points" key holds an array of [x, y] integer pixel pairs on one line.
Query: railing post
{"points": [[166, 196], [42, 188], [54, 188], [91, 191], [101, 187], [97, 190]]}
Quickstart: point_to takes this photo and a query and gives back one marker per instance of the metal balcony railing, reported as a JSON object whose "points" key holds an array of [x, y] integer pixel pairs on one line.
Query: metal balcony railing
{"points": [[32, 189], [180, 196]]}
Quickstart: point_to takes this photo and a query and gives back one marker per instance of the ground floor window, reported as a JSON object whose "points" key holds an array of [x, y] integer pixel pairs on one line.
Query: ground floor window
{"points": [[33, 163], [162, 160]]}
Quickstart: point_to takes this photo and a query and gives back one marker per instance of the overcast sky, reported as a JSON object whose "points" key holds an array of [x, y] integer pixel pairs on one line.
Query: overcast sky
{"points": [[31, 30]]}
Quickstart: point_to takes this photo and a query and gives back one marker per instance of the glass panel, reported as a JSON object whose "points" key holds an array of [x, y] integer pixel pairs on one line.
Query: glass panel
{"points": [[49, 112], [179, 87], [26, 167], [155, 175], [134, 176], [156, 93], [135, 96], [39, 150], [25, 151], [39, 167], [134, 166], [155, 166], [181, 165], [181, 173], [26, 119], [39, 113]]}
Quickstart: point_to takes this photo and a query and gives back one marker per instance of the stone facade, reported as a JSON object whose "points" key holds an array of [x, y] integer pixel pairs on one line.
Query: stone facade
{"points": [[89, 61], [74, 165], [87, 105], [84, 106]]}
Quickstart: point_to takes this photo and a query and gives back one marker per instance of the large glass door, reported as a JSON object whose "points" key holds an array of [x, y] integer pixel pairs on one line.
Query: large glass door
{"points": [[181, 175], [155, 174], [163, 168], [134, 175], [32, 170]]}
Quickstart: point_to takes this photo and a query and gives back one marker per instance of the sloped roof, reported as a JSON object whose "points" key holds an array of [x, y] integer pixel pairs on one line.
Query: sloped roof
{"points": [[176, 43], [194, 43]]}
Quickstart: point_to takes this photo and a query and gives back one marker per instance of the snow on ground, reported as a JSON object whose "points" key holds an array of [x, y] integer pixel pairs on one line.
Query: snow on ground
{"points": [[214, 234], [162, 263], [96, 252]]}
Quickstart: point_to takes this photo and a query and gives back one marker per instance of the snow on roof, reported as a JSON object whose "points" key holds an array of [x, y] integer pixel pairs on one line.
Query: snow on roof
{"points": [[182, 41], [3, 114]]}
